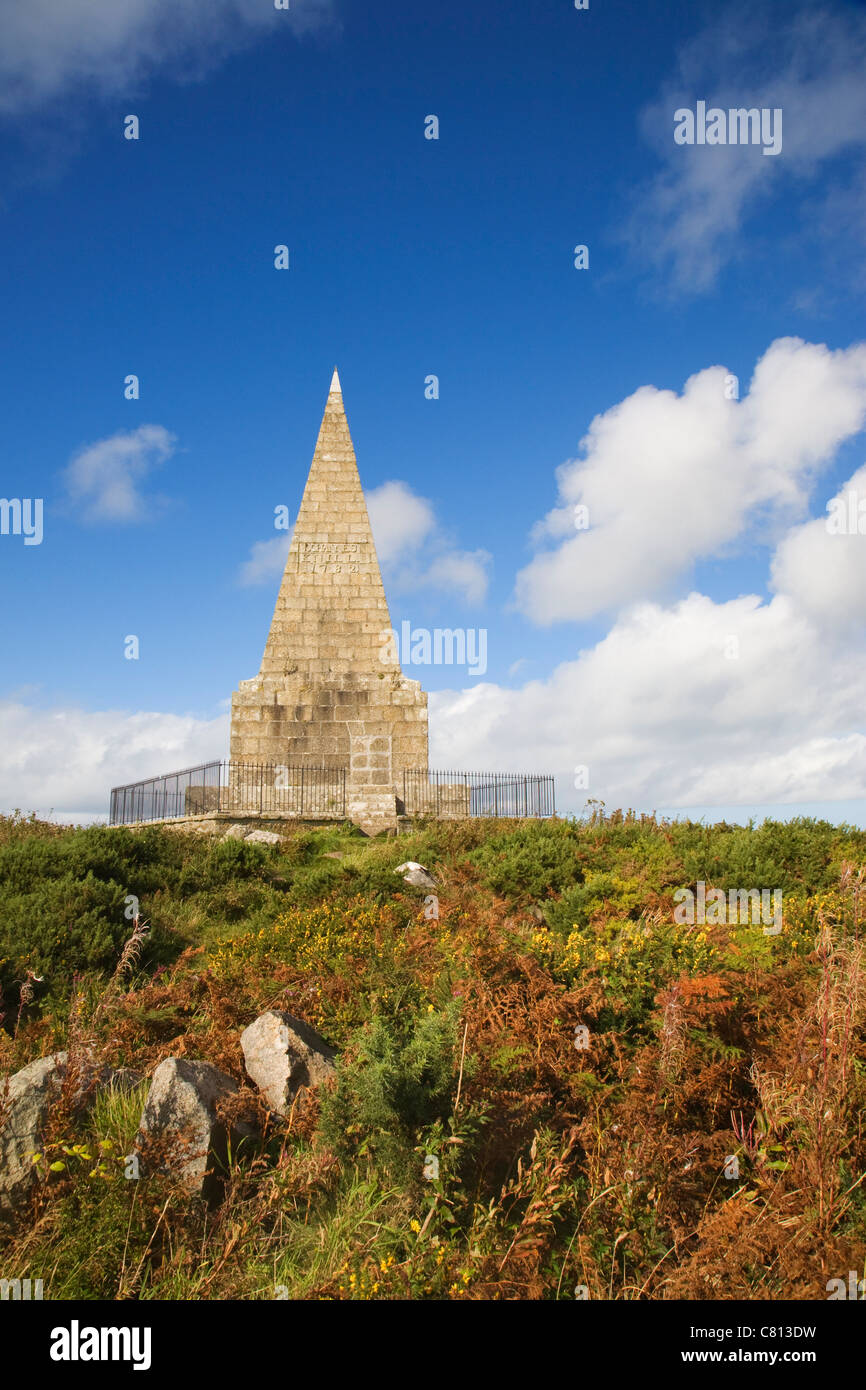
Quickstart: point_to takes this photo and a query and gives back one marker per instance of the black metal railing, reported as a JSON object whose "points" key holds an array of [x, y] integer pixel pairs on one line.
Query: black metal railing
{"points": [[275, 789], [450, 795], [233, 788]]}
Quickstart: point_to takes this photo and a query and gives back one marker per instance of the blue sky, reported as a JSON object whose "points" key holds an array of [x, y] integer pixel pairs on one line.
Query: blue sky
{"points": [[608, 649]]}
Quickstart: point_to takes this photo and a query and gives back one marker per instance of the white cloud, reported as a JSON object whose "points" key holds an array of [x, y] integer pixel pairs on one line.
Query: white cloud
{"points": [[401, 521], [810, 63], [103, 478], [822, 564], [414, 551], [462, 572], [662, 717], [696, 704], [51, 48], [669, 479], [267, 561], [66, 760]]}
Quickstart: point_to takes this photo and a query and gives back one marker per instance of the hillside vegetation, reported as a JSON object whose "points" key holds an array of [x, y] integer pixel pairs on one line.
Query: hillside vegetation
{"points": [[583, 1067]]}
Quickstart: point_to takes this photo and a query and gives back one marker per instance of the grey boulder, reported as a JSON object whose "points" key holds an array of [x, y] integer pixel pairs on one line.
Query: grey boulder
{"points": [[26, 1101], [181, 1122], [282, 1054]]}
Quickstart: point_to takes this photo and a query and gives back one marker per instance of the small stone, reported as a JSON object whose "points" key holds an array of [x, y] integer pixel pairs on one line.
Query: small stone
{"points": [[415, 874], [282, 1054], [263, 837]]}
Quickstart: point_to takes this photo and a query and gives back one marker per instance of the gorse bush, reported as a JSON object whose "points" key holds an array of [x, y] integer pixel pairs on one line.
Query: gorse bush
{"points": [[581, 1064], [62, 927], [318, 938], [531, 861], [395, 1082]]}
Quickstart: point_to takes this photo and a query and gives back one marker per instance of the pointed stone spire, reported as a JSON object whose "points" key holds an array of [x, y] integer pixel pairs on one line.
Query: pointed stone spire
{"points": [[330, 692], [331, 614]]}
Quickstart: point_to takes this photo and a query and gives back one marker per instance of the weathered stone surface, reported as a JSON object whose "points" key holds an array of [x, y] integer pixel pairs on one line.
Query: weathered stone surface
{"points": [[235, 832], [181, 1111], [415, 874], [282, 1054], [26, 1102], [263, 837], [330, 692], [372, 810]]}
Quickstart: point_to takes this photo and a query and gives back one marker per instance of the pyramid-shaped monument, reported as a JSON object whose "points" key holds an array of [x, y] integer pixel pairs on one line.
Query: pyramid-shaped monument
{"points": [[330, 692]]}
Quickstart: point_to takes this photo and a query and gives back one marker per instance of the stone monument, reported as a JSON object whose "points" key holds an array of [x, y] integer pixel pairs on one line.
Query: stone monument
{"points": [[330, 692]]}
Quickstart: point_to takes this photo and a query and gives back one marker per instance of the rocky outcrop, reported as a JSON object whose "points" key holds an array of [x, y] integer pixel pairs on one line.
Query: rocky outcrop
{"points": [[183, 1128], [282, 1054]]}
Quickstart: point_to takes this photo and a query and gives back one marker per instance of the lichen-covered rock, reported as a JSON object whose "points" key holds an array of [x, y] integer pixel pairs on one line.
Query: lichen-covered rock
{"points": [[181, 1122], [26, 1101], [282, 1054]]}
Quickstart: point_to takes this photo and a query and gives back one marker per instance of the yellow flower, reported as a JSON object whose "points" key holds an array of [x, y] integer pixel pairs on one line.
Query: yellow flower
{"points": [[415, 1226]]}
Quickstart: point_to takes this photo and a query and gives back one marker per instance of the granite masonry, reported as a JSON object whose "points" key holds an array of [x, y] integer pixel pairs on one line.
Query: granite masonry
{"points": [[330, 692]]}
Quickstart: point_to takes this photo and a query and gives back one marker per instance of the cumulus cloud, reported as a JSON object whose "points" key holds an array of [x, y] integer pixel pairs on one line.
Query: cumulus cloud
{"points": [[696, 704], [401, 521], [692, 702], [66, 760], [109, 46], [669, 479], [104, 478], [822, 564], [415, 552], [266, 562], [810, 64]]}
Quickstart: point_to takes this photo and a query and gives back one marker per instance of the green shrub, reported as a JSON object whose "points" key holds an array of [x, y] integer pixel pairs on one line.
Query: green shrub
{"points": [[391, 1088], [532, 860], [62, 927]]}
